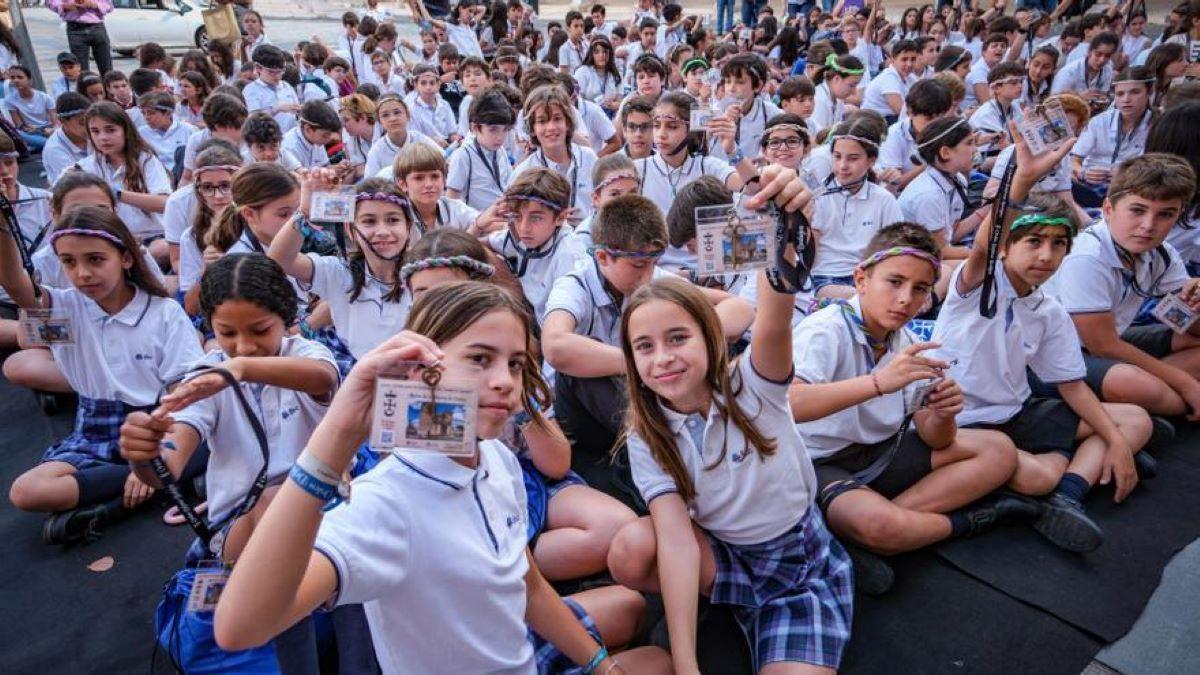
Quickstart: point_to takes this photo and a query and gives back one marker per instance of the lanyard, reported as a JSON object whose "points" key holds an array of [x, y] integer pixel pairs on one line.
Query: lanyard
{"points": [[421, 220], [959, 190], [574, 169], [855, 323], [762, 109], [1121, 138], [493, 166], [252, 241], [520, 264], [988, 292], [679, 174], [353, 61]]}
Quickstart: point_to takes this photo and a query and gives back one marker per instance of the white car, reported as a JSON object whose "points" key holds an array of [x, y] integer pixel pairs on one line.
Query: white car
{"points": [[170, 23]]}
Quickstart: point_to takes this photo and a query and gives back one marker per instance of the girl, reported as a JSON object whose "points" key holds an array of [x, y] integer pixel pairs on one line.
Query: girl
{"points": [[393, 117], [676, 57], [598, 77], [835, 81], [910, 24], [215, 169], [445, 256], [711, 444], [785, 141], [508, 65], [138, 179], [193, 91], [358, 115], [1167, 62], [252, 35], [228, 68], [1171, 133], [1133, 41], [458, 326], [264, 198], [195, 60], [129, 339], [550, 124], [955, 60], [92, 87], [1039, 73], [850, 209], [30, 110], [366, 299]]}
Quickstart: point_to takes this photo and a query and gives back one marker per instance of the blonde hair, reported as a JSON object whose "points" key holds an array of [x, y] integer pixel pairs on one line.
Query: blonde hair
{"points": [[358, 105], [416, 157]]}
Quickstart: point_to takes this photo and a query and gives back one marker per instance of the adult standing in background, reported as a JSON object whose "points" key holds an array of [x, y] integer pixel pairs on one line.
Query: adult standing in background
{"points": [[85, 30]]}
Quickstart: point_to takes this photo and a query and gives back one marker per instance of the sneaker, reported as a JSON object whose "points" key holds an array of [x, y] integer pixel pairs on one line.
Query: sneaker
{"points": [[69, 527], [1000, 508], [872, 574], [1065, 524]]}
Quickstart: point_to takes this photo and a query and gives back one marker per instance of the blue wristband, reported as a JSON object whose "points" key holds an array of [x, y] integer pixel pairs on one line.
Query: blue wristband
{"points": [[312, 484], [596, 660]]}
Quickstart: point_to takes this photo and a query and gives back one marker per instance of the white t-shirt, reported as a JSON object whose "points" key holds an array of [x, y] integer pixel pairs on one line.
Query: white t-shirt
{"points": [[578, 173], [978, 74], [368, 321], [898, 147], [887, 82], [261, 96], [1102, 143], [61, 152], [933, 201], [827, 111], [465, 39], [1074, 77], [595, 86], [35, 110], [845, 224], [180, 211], [600, 129], [164, 143]]}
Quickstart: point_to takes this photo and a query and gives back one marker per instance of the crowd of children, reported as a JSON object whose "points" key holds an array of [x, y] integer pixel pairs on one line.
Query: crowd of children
{"points": [[978, 332]]}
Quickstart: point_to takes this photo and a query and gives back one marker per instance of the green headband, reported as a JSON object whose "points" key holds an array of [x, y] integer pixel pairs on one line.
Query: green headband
{"points": [[687, 65], [831, 61], [1035, 219]]}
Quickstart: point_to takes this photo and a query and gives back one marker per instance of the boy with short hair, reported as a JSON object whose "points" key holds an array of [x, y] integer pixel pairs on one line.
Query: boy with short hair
{"points": [[269, 92], [319, 126], [161, 130], [117, 90], [796, 96], [573, 51], [1115, 266], [994, 49], [69, 143], [262, 141], [927, 101], [224, 115], [451, 89], [600, 25], [431, 114], [474, 75], [480, 168], [990, 121], [885, 94], [69, 72], [745, 76], [637, 125]]}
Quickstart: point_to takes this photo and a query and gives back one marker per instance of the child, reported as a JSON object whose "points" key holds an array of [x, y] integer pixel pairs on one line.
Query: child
{"points": [[139, 180], [1089, 77], [69, 73], [551, 125], [786, 141], [144, 81], [976, 80], [649, 75], [479, 168], [165, 134], [926, 101], [598, 77], [431, 114], [1038, 73], [990, 120], [264, 142], [836, 80], [319, 126], [614, 176], [117, 90], [358, 116], [744, 76], [421, 175], [849, 211], [393, 117], [572, 52], [365, 295], [1113, 136], [460, 29], [455, 326], [31, 110], [537, 244], [224, 115], [728, 482], [600, 131], [213, 190], [797, 97], [937, 197], [476, 75], [1114, 266], [269, 92], [444, 256], [674, 163], [31, 206], [885, 94], [68, 144], [193, 91], [130, 339], [637, 127]]}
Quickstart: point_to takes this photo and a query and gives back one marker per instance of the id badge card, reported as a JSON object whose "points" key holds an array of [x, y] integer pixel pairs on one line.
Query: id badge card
{"points": [[46, 327], [700, 117], [333, 206], [1174, 312], [207, 586], [732, 240], [426, 409]]}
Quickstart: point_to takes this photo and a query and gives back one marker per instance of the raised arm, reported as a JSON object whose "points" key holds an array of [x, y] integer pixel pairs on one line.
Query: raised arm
{"points": [[13, 277]]}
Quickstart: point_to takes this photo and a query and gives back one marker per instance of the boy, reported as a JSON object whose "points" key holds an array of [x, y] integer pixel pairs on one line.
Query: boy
{"points": [[161, 131], [1114, 267], [350, 43], [647, 44], [319, 126], [978, 93], [431, 114], [1113, 136], [613, 176], [745, 75], [262, 141], [600, 26], [68, 66], [420, 173], [885, 94], [475, 75], [152, 56], [479, 168], [990, 121], [31, 110], [637, 127], [315, 84], [1091, 76], [69, 143], [269, 92], [143, 81], [796, 96], [116, 89], [927, 101], [224, 115], [573, 51], [451, 90]]}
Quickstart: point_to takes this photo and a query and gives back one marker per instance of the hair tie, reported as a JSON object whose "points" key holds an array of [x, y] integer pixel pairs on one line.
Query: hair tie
{"points": [[880, 256], [476, 269], [861, 139], [1127, 80], [1007, 80], [614, 177], [381, 197], [553, 206], [10, 155], [1035, 219], [831, 62], [86, 232], [231, 168], [961, 121]]}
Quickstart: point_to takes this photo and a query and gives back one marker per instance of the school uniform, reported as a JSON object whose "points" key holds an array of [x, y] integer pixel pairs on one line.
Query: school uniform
{"points": [[1074, 77], [434, 120], [1131, 45], [935, 199], [382, 154], [143, 224], [596, 86], [35, 110], [571, 55], [1030, 333], [356, 149], [659, 183], [118, 364], [1033, 96], [537, 269], [992, 117], [750, 127], [978, 74], [165, 142], [287, 416], [451, 213], [62, 85], [32, 210], [827, 110], [250, 44], [819, 163], [61, 152], [845, 223], [478, 174], [1057, 180], [369, 320], [261, 96], [464, 38], [1185, 238], [899, 147], [185, 114], [308, 155], [888, 82], [578, 173], [1102, 141], [599, 127], [179, 213], [788, 580]]}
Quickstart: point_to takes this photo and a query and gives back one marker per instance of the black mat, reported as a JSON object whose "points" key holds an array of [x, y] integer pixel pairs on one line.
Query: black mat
{"points": [[1102, 592]]}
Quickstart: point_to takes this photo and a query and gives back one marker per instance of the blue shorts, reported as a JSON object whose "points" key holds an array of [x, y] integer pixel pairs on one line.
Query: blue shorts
{"points": [[820, 281]]}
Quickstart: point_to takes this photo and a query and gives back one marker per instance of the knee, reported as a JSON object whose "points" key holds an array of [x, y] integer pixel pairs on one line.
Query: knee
{"points": [[1133, 419], [26, 493], [15, 370], [993, 448], [1037, 478], [632, 553], [878, 530]]}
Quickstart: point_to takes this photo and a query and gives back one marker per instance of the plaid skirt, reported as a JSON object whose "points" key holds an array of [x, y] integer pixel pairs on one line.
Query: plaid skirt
{"points": [[539, 490], [792, 596], [95, 440], [329, 337], [550, 661]]}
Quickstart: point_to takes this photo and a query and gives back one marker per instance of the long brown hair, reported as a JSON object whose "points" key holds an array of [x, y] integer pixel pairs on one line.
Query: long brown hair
{"points": [[645, 416], [216, 155], [254, 186], [447, 310], [100, 219], [134, 148]]}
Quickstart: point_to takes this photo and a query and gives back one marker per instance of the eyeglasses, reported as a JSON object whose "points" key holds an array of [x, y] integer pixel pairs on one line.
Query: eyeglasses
{"points": [[210, 189], [791, 143], [640, 128]]}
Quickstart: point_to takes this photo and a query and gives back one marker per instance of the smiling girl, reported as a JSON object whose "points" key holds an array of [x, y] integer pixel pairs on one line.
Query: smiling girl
{"points": [[393, 116]]}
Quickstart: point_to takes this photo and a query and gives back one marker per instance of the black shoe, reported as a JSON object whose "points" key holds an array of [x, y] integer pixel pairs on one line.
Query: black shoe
{"points": [[1000, 508], [1162, 432], [1146, 465], [1064, 523], [872, 574], [69, 527]]}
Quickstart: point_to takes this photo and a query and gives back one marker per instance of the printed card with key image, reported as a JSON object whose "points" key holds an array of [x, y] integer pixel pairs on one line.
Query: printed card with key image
{"points": [[426, 409], [1045, 127], [1174, 312], [333, 206], [207, 586], [45, 327], [732, 240], [700, 119]]}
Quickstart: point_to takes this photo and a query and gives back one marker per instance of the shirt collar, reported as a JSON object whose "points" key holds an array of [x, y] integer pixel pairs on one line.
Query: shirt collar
{"points": [[860, 335], [130, 315], [442, 469]]}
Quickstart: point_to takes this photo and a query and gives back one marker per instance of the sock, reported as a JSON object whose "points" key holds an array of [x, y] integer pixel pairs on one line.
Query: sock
{"points": [[1073, 486], [101, 483], [960, 525]]}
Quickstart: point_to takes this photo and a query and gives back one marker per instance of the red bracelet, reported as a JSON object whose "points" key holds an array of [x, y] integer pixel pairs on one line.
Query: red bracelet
{"points": [[875, 381]]}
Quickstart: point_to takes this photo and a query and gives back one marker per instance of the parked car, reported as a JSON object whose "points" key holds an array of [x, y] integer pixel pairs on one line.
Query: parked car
{"points": [[171, 23]]}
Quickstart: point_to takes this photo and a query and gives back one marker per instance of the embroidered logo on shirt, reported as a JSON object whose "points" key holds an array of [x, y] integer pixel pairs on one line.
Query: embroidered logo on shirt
{"points": [[291, 411], [511, 520], [143, 357], [739, 457]]}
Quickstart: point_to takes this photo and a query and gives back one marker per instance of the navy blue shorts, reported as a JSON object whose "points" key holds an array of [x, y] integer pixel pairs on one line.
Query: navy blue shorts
{"points": [[1042, 425], [1154, 339]]}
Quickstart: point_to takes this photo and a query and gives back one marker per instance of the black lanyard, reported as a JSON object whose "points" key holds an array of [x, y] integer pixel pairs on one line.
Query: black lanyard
{"points": [[519, 265], [493, 166], [988, 290], [350, 50], [1121, 138], [762, 109], [14, 229], [959, 190], [574, 169], [420, 220], [252, 240]]}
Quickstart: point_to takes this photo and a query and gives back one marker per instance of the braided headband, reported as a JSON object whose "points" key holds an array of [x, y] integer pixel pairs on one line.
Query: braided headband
{"points": [[622, 253], [958, 59], [553, 206], [612, 178], [1008, 80], [961, 121], [84, 232], [1035, 219], [476, 269], [861, 139], [1146, 80], [669, 118], [803, 131], [687, 65], [380, 197], [67, 114], [880, 256], [231, 168], [831, 62], [10, 155]]}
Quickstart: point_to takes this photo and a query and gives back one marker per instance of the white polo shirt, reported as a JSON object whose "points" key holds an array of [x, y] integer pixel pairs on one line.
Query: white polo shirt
{"points": [[846, 222], [991, 117], [1102, 141], [932, 200], [746, 498], [600, 129], [828, 347], [750, 129], [288, 416], [978, 74], [660, 183], [899, 147], [827, 110], [595, 86], [578, 173], [1185, 237], [1057, 180], [126, 356], [1074, 77], [261, 96], [61, 152], [368, 321], [478, 174], [164, 143], [1093, 280], [583, 294], [383, 152], [180, 212], [887, 82], [141, 223], [451, 213], [464, 38], [308, 155], [423, 531], [435, 120], [558, 256], [1027, 332], [572, 55]]}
